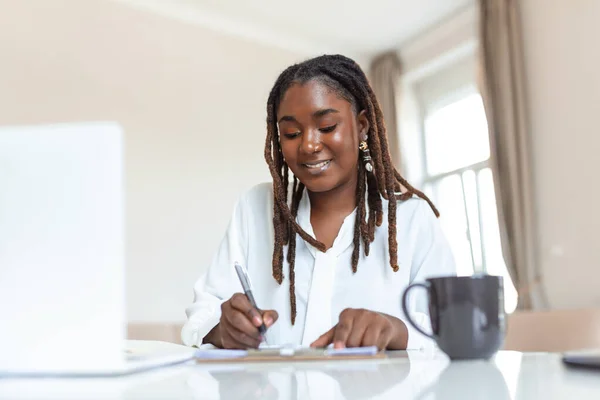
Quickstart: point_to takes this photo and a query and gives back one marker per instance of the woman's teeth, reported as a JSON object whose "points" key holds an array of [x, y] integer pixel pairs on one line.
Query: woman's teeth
{"points": [[318, 165]]}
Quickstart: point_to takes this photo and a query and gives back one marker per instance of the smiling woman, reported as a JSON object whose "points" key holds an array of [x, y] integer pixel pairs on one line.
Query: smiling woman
{"points": [[319, 144], [324, 124]]}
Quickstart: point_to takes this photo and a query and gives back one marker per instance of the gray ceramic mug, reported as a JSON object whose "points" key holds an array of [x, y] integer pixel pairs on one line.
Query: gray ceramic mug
{"points": [[467, 314]]}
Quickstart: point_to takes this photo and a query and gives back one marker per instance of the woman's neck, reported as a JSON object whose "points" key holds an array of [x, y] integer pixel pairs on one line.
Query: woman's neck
{"points": [[340, 200]]}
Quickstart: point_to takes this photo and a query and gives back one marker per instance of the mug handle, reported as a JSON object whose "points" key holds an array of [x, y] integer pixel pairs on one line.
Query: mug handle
{"points": [[405, 308]]}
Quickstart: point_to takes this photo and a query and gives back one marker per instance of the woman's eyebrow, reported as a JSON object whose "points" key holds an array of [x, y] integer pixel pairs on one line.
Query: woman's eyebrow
{"points": [[316, 114], [287, 118], [322, 113]]}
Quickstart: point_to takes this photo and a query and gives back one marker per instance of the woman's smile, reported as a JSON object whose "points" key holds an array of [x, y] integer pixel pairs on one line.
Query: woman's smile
{"points": [[317, 167]]}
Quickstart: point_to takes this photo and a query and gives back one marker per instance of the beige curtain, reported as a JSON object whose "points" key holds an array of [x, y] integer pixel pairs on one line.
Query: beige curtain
{"points": [[503, 90], [385, 79]]}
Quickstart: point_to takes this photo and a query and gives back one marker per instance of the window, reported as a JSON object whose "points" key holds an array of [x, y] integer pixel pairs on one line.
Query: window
{"points": [[454, 171]]}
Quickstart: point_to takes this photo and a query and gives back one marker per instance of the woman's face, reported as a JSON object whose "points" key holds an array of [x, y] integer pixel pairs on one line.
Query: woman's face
{"points": [[319, 135]]}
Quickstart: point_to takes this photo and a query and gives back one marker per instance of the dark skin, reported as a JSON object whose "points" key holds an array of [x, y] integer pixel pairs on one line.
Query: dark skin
{"points": [[319, 135], [238, 326]]}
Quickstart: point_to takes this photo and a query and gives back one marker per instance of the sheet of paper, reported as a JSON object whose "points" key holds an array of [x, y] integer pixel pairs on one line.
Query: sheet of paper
{"points": [[218, 354], [264, 346]]}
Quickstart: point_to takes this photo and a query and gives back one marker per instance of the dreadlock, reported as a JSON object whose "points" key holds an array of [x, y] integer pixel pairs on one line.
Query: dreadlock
{"points": [[347, 79]]}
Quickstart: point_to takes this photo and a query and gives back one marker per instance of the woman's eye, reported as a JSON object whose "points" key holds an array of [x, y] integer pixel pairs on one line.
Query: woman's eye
{"points": [[328, 129], [291, 135]]}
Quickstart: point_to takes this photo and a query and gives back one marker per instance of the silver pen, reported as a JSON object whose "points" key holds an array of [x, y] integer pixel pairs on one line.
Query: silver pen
{"points": [[245, 281]]}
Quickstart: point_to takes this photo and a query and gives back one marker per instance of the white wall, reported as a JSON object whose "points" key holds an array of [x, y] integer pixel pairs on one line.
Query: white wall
{"points": [[563, 74], [192, 102]]}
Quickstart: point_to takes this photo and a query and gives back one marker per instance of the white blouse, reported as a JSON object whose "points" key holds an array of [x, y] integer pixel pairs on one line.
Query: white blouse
{"points": [[325, 284]]}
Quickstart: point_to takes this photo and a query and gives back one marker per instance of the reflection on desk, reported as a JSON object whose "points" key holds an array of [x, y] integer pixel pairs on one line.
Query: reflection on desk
{"points": [[413, 375], [487, 383], [352, 380]]}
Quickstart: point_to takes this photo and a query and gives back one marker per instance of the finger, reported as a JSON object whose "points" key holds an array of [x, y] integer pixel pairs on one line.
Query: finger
{"points": [[325, 339], [385, 337], [245, 340], [241, 322], [342, 332], [371, 337], [240, 340], [241, 303], [269, 317], [359, 327]]}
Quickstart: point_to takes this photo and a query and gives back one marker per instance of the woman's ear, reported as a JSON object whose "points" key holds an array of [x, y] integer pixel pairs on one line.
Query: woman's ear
{"points": [[363, 125]]}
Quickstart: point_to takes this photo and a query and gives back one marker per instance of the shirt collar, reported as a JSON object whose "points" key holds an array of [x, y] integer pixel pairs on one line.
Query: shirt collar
{"points": [[344, 238]]}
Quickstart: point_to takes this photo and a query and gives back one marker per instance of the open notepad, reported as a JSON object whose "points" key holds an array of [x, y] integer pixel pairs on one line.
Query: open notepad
{"points": [[286, 352]]}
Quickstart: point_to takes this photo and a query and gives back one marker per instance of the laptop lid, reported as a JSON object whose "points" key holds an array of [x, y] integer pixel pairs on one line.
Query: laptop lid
{"points": [[583, 359], [62, 260]]}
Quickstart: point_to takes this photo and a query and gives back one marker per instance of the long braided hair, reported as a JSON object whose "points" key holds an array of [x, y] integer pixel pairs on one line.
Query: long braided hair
{"points": [[347, 79]]}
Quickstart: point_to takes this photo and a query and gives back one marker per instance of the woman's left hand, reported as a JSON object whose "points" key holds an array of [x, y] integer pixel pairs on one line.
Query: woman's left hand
{"points": [[358, 327]]}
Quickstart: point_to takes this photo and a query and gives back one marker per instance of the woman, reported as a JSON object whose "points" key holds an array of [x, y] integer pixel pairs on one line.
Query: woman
{"points": [[330, 254]]}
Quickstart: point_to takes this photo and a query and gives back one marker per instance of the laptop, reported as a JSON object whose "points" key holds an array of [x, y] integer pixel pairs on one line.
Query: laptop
{"points": [[62, 254], [589, 359]]}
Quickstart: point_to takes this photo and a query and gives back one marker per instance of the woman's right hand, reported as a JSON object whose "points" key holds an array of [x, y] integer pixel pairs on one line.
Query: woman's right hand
{"points": [[238, 327]]}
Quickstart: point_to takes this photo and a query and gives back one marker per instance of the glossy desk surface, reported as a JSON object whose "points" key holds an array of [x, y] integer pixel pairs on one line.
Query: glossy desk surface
{"points": [[510, 375]]}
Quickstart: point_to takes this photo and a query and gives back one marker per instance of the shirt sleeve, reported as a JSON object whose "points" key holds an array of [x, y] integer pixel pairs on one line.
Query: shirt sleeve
{"points": [[219, 282], [432, 257]]}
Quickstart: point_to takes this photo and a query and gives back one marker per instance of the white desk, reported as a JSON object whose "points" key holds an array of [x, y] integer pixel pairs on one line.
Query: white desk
{"points": [[509, 375]]}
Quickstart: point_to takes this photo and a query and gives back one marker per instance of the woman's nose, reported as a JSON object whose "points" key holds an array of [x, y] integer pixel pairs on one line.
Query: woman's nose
{"points": [[311, 142]]}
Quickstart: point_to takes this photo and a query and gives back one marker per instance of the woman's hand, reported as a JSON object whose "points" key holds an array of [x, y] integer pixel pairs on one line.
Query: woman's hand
{"points": [[238, 327], [358, 327]]}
